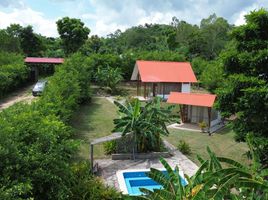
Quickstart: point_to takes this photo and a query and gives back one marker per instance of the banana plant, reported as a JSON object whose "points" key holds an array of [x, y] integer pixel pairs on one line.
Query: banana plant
{"points": [[146, 123]]}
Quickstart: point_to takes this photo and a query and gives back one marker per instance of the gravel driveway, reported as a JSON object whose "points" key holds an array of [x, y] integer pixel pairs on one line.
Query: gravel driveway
{"points": [[23, 94]]}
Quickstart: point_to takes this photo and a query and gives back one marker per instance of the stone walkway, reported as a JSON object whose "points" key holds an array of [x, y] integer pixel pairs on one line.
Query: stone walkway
{"points": [[186, 127], [109, 167], [195, 127]]}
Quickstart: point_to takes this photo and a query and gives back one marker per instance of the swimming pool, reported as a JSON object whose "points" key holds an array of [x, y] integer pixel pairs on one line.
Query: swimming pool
{"points": [[131, 180]]}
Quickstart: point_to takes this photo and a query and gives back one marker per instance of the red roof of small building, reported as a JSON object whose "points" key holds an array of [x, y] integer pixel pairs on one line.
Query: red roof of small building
{"points": [[162, 71], [44, 60], [205, 100]]}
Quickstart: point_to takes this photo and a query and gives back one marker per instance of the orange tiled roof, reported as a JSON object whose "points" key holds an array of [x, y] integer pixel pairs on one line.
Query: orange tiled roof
{"points": [[161, 71], [205, 100]]}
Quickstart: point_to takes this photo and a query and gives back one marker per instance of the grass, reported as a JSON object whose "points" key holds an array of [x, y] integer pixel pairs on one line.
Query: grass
{"points": [[95, 120], [91, 121], [222, 143]]}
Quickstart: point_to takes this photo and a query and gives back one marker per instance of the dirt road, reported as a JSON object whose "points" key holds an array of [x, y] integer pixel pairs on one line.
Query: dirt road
{"points": [[23, 94]]}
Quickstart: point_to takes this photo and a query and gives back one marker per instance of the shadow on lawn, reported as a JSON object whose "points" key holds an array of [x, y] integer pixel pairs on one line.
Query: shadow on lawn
{"points": [[225, 130], [81, 119]]}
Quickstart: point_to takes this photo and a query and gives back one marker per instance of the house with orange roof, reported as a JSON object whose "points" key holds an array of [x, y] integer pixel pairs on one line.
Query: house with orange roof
{"points": [[172, 81], [159, 78]]}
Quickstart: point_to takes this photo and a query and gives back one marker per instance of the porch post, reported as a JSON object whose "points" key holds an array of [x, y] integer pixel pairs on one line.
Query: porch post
{"points": [[138, 85], [209, 120], [36, 73], [144, 95], [181, 113], [153, 89], [163, 90]]}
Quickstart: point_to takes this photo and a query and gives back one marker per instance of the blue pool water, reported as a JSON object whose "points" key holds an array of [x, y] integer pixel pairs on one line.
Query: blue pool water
{"points": [[136, 180]]}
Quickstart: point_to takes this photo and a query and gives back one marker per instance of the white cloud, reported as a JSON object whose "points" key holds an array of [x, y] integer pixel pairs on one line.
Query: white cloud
{"points": [[239, 18], [106, 16], [117, 14], [27, 16]]}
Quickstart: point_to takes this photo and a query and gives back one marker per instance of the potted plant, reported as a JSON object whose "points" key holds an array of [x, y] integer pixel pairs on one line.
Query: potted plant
{"points": [[203, 126]]}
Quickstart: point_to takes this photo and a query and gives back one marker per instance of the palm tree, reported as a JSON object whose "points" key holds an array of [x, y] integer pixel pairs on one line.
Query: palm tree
{"points": [[146, 123]]}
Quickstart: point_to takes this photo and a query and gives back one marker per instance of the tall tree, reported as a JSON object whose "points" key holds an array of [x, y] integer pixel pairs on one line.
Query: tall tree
{"points": [[244, 93], [9, 43], [73, 33], [14, 30], [31, 43], [214, 31]]}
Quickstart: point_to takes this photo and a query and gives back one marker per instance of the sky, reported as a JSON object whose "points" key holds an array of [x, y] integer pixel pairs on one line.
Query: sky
{"points": [[103, 17]]}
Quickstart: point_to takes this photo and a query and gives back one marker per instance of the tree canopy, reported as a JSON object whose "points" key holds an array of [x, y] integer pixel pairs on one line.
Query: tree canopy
{"points": [[244, 92], [73, 33]]}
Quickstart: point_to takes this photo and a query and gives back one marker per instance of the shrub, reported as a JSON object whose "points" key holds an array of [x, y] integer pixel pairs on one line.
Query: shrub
{"points": [[13, 72], [35, 151], [110, 147], [69, 86], [202, 126], [184, 147], [87, 187]]}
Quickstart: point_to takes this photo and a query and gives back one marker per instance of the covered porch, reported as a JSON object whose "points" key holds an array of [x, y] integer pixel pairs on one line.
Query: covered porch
{"points": [[197, 108], [148, 90]]}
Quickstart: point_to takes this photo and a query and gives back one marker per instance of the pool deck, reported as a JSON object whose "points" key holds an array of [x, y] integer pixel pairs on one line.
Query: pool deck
{"points": [[109, 167]]}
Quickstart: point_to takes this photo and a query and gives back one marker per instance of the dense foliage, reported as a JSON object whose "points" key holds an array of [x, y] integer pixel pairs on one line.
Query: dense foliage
{"points": [[244, 92], [69, 86], [13, 72], [126, 61], [211, 181], [36, 146], [109, 77], [8, 43]]}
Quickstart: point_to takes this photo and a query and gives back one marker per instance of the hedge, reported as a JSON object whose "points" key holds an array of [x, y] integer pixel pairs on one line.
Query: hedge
{"points": [[13, 72], [36, 146]]}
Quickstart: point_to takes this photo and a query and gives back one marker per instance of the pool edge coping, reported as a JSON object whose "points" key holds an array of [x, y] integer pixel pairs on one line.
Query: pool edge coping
{"points": [[122, 183]]}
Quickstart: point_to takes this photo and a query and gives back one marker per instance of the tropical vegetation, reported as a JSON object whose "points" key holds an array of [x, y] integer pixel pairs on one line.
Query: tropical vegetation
{"points": [[38, 146], [212, 180], [13, 72], [147, 123]]}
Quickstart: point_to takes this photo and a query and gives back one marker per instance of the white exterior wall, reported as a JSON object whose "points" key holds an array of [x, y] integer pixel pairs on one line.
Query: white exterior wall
{"points": [[216, 121], [186, 87]]}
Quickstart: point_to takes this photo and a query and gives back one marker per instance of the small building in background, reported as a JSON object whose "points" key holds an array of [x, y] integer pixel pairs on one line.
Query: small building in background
{"points": [[159, 78], [37, 63]]}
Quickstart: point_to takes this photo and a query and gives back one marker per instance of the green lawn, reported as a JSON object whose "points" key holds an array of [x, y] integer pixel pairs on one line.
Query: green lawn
{"points": [[221, 143], [95, 120], [91, 121]]}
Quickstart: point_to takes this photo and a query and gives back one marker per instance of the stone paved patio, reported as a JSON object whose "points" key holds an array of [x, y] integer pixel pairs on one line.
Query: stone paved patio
{"points": [[109, 167]]}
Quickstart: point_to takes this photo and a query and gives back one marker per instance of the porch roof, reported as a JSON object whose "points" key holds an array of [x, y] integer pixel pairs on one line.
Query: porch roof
{"points": [[162, 71], [39, 60], [195, 99]]}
